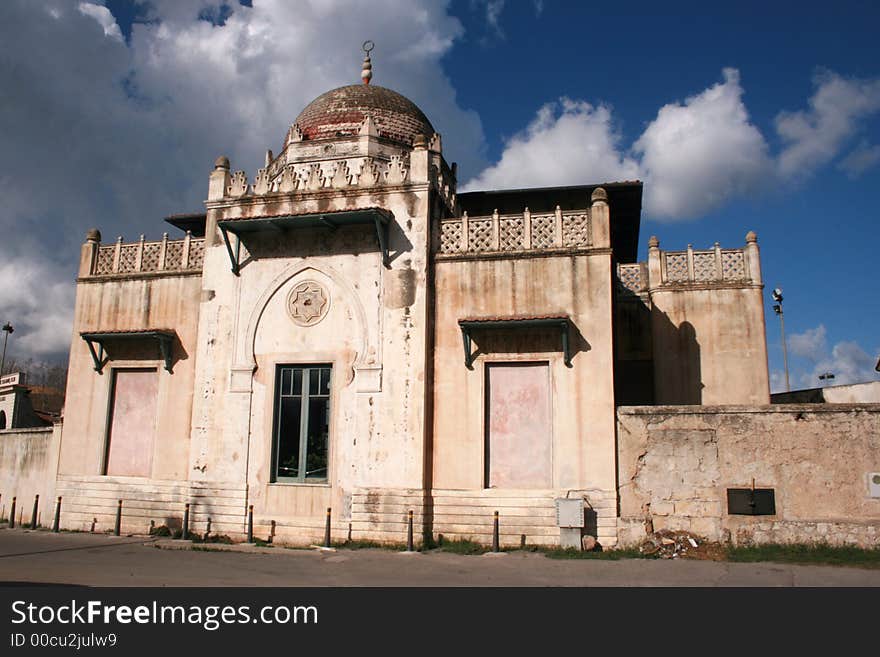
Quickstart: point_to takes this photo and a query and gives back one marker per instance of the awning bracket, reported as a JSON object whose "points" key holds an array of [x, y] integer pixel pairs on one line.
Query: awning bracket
{"points": [[467, 326]]}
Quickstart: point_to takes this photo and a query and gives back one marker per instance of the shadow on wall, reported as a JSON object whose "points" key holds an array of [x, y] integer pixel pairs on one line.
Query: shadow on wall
{"points": [[489, 342], [677, 370]]}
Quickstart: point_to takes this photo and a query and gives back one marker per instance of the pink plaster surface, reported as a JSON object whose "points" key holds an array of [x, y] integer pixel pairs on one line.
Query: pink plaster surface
{"points": [[519, 426], [133, 427]]}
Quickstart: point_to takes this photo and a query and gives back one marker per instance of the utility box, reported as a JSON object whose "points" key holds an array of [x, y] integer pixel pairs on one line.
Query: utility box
{"points": [[570, 520], [874, 484]]}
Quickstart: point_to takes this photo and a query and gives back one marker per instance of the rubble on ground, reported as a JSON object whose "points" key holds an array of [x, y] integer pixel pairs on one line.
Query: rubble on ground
{"points": [[668, 544]]}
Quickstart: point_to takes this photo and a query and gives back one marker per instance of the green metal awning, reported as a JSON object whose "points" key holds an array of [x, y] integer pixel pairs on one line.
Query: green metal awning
{"points": [[377, 217], [164, 338], [561, 323]]}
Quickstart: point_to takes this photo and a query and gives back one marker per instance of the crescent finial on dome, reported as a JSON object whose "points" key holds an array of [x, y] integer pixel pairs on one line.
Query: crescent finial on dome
{"points": [[367, 71]]}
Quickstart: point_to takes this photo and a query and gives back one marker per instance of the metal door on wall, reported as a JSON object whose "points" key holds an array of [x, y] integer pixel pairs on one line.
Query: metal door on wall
{"points": [[131, 432], [518, 426]]}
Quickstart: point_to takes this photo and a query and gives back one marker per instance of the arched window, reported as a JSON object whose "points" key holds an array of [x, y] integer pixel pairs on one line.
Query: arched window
{"points": [[2, 420]]}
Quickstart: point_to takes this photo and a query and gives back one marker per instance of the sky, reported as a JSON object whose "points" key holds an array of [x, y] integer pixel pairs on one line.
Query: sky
{"points": [[754, 116]]}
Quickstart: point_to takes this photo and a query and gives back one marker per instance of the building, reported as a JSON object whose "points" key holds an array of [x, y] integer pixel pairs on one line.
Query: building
{"points": [[347, 332]]}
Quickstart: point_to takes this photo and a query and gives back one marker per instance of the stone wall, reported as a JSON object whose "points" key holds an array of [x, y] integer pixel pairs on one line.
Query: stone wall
{"points": [[28, 461], [676, 463]]}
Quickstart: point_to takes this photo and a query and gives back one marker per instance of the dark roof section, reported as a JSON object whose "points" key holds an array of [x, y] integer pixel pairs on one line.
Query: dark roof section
{"points": [[340, 112], [195, 223], [624, 198]]}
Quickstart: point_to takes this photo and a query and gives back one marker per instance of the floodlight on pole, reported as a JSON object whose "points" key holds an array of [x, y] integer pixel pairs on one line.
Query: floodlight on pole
{"points": [[7, 329], [777, 308]]}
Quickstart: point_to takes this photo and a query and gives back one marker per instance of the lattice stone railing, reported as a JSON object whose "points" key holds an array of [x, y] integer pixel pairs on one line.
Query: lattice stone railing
{"points": [[710, 266], [166, 255], [515, 232], [629, 276]]}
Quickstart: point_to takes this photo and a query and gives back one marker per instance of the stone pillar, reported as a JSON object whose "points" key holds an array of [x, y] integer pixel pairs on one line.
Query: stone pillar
{"points": [[600, 218], [654, 272], [217, 185], [418, 160], [753, 258], [89, 253]]}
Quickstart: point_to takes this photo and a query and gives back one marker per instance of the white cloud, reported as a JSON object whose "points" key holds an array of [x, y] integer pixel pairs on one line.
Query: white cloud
{"points": [[815, 136], [567, 143], [848, 361], [39, 305], [860, 159], [678, 154], [103, 16], [698, 154], [811, 344], [106, 134]]}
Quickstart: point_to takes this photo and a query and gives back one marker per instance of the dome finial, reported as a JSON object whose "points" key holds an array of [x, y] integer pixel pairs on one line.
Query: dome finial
{"points": [[367, 72]]}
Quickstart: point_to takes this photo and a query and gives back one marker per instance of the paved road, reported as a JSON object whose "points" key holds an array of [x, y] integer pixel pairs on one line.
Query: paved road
{"points": [[100, 560]]}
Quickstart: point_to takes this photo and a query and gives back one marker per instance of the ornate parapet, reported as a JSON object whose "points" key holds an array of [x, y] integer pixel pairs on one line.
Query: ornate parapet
{"points": [[691, 269], [710, 267], [160, 257], [515, 233]]}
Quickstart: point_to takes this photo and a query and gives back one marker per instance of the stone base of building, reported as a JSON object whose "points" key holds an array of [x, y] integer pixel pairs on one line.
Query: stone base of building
{"points": [[89, 503]]}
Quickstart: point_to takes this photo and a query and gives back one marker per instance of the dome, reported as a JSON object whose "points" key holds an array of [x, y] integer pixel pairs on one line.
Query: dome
{"points": [[341, 111]]}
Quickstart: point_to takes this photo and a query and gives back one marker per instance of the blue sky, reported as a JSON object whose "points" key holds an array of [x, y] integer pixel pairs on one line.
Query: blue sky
{"points": [[757, 116]]}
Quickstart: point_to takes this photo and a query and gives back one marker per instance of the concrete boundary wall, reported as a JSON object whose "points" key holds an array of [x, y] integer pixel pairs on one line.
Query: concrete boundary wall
{"points": [[28, 463], [675, 464]]}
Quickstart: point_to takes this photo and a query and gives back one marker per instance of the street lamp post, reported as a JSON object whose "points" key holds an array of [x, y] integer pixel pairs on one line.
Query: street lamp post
{"points": [[777, 308], [7, 328]]}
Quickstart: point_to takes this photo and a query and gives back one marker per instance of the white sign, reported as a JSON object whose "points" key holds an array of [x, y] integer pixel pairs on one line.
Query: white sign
{"points": [[10, 379]]}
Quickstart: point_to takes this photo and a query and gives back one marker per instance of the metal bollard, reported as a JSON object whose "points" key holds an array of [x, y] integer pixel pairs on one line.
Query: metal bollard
{"points": [[12, 514], [250, 531], [185, 534], [56, 524], [118, 526], [495, 547], [327, 530], [271, 532], [409, 531], [36, 510]]}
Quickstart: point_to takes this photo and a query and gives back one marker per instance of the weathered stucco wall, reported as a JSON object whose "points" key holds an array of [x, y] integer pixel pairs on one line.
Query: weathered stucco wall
{"points": [[581, 396], [373, 334], [677, 462], [28, 462], [168, 301], [709, 346]]}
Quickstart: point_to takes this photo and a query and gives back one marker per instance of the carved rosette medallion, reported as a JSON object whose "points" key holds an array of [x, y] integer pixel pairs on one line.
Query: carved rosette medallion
{"points": [[308, 303]]}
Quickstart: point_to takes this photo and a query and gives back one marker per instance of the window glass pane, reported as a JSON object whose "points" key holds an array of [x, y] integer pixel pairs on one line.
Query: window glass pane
{"points": [[313, 381], [286, 374], [318, 429], [297, 381], [288, 437], [325, 381]]}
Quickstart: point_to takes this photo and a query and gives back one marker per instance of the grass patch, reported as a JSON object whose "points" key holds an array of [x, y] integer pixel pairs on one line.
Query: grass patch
{"points": [[362, 544], [818, 553], [605, 555], [462, 546]]}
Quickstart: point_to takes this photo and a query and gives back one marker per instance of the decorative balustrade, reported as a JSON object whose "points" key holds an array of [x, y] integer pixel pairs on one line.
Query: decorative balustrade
{"points": [[691, 268], [166, 255], [714, 265], [629, 277], [515, 232]]}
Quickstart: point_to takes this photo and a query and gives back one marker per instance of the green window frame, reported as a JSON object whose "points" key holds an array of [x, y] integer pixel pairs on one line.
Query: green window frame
{"points": [[301, 430]]}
